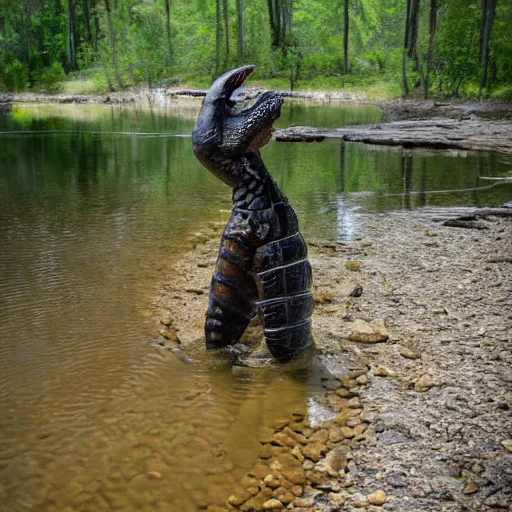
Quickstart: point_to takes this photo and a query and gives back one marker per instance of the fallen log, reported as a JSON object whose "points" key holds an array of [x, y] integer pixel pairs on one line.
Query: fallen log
{"points": [[470, 220], [196, 93], [437, 133]]}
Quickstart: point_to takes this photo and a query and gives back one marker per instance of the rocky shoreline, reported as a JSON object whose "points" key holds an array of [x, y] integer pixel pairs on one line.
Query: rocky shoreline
{"points": [[393, 110], [413, 321]]}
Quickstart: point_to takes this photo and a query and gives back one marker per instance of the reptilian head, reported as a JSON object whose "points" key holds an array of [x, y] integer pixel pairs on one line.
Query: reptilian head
{"points": [[227, 127]]}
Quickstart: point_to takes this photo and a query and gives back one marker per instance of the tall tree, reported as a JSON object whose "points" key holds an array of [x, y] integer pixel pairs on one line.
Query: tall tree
{"points": [[240, 31], [274, 15], [345, 37], [113, 44], [168, 30], [225, 12], [87, 20], [406, 47], [432, 23], [488, 13], [71, 37], [218, 36]]}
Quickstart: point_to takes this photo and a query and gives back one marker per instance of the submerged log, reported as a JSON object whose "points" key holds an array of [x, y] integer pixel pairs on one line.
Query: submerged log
{"points": [[436, 133]]}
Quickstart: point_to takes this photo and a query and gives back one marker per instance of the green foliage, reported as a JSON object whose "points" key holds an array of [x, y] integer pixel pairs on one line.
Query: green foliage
{"points": [[49, 79], [13, 74], [124, 42], [503, 93]]}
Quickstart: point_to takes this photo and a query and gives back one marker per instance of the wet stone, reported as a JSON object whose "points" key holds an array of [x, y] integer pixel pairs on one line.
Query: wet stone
{"points": [[273, 481], [273, 504], [314, 451], [281, 439], [284, 495], [266, 451], [256, 502], [291, 469]]}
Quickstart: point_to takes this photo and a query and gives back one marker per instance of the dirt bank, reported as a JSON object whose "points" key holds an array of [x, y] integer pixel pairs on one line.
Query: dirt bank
{"points": [[414, 320], [393, 110]]}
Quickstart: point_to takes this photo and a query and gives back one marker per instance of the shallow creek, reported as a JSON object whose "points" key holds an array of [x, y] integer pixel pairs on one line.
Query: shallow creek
{"points": [[96, 203]]}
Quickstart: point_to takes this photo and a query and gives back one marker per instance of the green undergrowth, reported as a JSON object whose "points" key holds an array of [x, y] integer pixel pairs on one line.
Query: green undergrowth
{"points": [[93, 81]]}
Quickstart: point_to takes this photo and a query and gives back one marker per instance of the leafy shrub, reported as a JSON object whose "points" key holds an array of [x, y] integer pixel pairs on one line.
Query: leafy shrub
{"points": [[49, 79], [13, 75], [503, 93]]}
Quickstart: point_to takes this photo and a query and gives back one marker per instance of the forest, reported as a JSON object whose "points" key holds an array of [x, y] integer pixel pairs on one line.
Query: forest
{"points": [[420, 48]]}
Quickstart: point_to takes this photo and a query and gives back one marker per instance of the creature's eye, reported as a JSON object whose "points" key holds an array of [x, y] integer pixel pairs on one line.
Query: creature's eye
{"points": [[230, 103]]}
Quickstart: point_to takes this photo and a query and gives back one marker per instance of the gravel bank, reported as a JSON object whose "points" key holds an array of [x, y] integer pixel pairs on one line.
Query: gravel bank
{"points": [[414, 322]]}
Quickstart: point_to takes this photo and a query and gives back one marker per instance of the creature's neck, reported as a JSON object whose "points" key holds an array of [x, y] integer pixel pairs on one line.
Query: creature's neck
{"points": [[254, 188]]}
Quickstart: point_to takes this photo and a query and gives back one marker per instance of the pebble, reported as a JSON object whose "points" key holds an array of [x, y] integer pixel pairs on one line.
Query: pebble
{"points": [[409, 354], [166, 319], [322, 298], [382, 371], [368, 332], [507, 443], [314, 451], [347, 432], [362, 380], [273, 504], [424, 383], [470, 487], [336, 460], [377, 498], [304, 502], [284, 495]]}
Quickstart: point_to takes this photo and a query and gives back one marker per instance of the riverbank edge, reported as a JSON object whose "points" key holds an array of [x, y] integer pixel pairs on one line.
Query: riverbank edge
{"points": [[414, 318], [399, 108]]}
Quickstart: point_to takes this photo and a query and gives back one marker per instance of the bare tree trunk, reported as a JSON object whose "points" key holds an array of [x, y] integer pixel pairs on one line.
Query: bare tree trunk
{"points": [[113, 44], [274, 15], [71, 38], [406, 46], [286, 19], [226, 28], [240, 33], [413, 18], [488, 13], [87, 20], [431, 34], [168, 30], [345, 37], [94, 10], [218, 37]]}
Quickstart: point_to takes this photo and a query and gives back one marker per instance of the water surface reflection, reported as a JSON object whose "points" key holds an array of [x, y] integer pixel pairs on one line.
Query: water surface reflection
{"points": [[93, 212]]}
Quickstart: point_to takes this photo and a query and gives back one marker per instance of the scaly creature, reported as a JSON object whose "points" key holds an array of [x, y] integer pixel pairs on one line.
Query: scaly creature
{"points": [[262, 265]]}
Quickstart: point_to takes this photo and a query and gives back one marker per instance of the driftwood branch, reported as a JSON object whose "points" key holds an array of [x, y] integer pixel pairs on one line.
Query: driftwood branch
{"points": [[471, 220], [436, 133]]}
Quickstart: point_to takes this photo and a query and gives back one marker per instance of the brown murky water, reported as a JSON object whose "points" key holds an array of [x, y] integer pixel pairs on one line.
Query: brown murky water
{"points": [[95, 205]]}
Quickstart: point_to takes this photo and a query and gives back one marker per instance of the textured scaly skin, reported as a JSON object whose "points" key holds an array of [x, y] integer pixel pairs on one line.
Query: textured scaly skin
{"points": [[262, 265]]}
